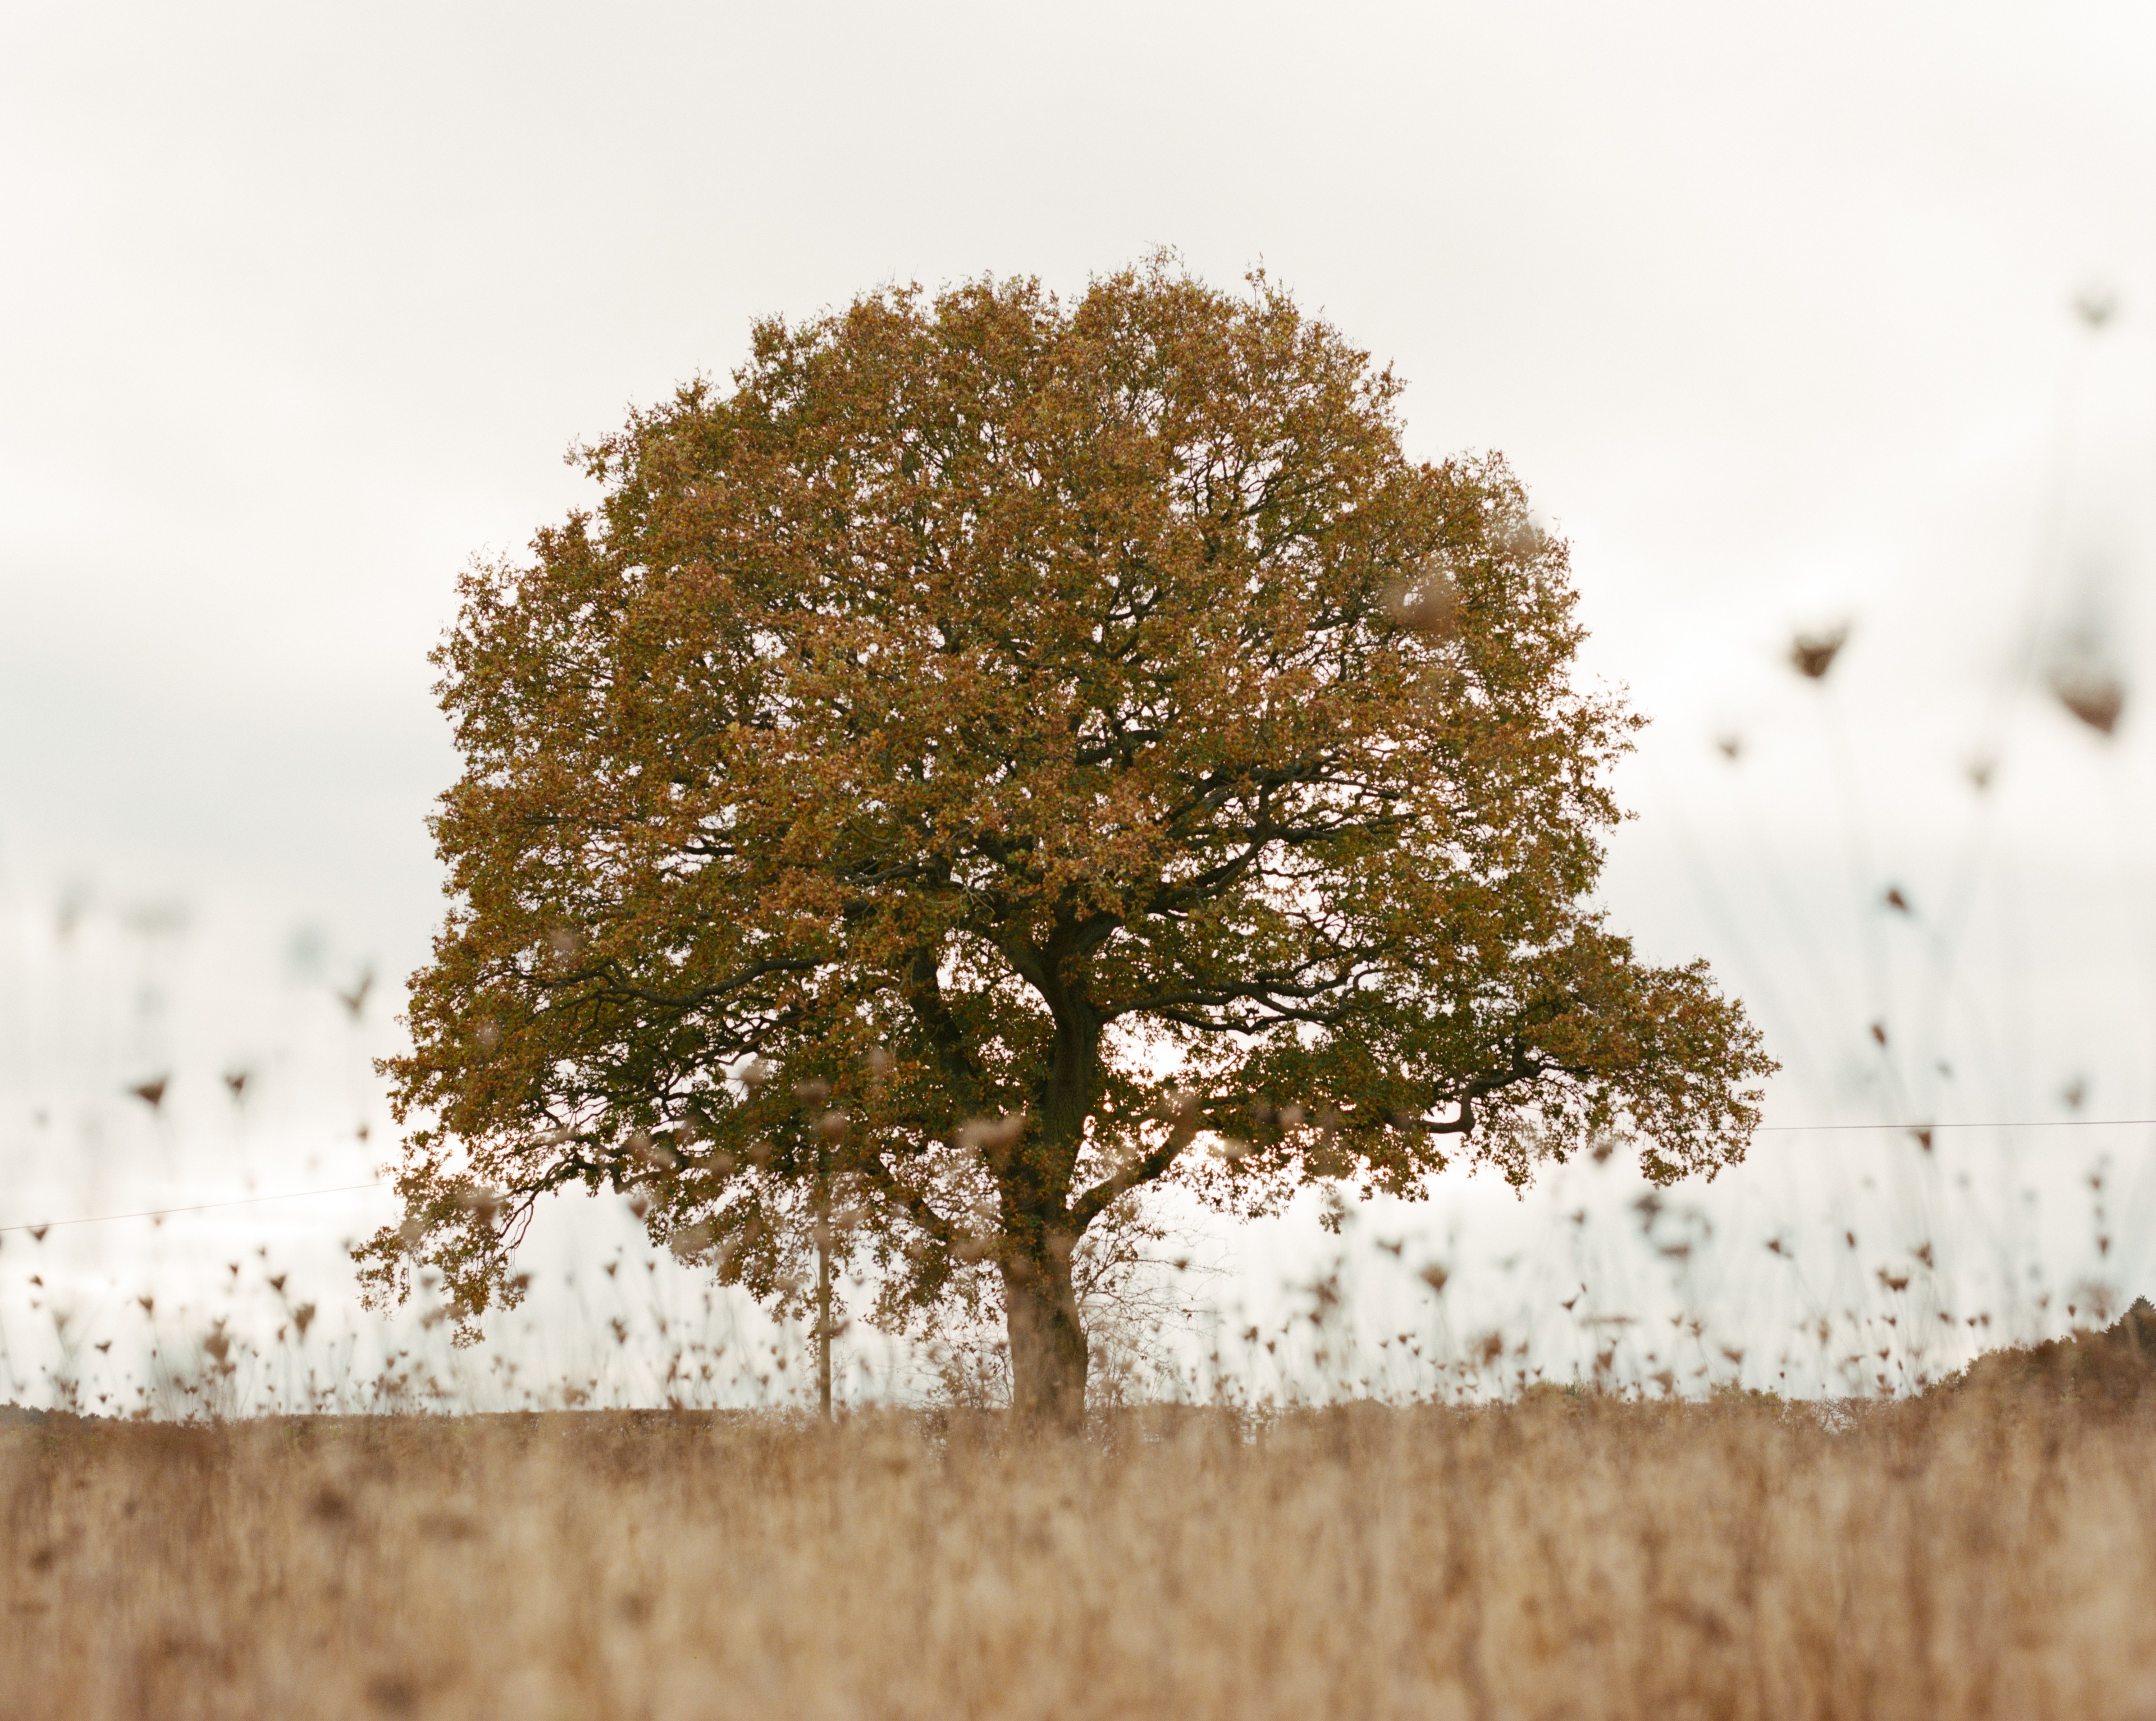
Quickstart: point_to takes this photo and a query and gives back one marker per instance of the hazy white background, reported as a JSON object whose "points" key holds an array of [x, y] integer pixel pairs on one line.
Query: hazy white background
{"points": [[1774, 314]]}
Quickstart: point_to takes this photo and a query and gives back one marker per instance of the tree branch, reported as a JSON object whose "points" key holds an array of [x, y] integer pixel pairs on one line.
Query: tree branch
{"points": [[1090, 1206], [911, 1202]]}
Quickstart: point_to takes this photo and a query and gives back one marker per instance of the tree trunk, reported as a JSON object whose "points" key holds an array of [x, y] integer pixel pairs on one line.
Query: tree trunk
{"points": [[824, 1283], [824, 1319], [1047, 1338]]}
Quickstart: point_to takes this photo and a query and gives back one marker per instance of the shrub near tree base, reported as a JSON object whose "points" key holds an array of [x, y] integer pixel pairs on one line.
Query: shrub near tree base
{"points": [[996, 746]]}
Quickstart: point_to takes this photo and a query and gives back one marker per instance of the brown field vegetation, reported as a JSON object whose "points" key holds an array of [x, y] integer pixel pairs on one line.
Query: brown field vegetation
{"points": [[1989, 1550]]}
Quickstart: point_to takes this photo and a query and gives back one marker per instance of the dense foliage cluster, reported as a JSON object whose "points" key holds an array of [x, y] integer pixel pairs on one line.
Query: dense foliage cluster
{"points": [[1002, 754]]}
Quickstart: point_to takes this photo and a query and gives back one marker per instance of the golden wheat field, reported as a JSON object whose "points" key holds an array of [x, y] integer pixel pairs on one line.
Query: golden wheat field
{"points": [[1990, 1550]]}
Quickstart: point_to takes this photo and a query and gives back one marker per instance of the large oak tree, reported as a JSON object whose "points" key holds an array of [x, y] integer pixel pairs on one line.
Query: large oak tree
{"points": [[1003, 753]]}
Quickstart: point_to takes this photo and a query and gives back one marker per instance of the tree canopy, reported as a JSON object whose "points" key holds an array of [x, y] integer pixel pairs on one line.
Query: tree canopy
{"points": [[1002, 753]]}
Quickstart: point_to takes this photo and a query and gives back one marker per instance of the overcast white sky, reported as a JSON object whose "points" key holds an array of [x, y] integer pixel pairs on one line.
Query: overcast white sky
{"points": [[1769, 309]]}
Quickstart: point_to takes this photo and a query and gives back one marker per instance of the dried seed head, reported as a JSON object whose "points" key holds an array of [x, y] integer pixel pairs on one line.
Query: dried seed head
{"points": [[1814, 654], [1525, 537], [1184, 1112], [355, 1000], [2096, 306], [990, 1135], [2093, 693], [487, 1032], [753, 1074], [639, 1203], [688, 1242], [1428, 605], [814, 1092], [831, 1124], [650, 1152]]}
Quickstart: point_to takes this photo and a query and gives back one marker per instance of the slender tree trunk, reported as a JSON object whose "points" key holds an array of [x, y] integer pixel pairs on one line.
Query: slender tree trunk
{"points": [[824, 1289], [1047, 1338], [823, 1327]]}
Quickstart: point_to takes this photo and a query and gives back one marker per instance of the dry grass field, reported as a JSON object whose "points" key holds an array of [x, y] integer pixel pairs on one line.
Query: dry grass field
{"points": [[1986, 1551]]}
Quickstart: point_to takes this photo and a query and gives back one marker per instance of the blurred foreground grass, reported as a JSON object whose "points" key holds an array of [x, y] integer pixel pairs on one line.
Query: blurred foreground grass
{"points": [[1986, 1549]]}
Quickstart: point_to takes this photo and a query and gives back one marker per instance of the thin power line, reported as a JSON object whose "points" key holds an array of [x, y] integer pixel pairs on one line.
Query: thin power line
{"points": [[246, 1200], [294, 1194], [2034, 1123]]}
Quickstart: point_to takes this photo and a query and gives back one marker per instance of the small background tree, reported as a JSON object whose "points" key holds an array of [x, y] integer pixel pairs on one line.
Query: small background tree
{"points": [[1000, 755]]}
